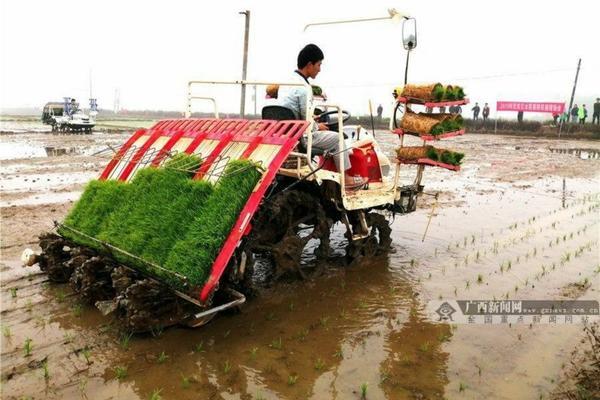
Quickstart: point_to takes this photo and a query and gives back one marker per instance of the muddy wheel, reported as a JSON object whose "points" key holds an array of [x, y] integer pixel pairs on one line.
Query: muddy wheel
{"points": [[283, 228], [147, 305], [55, 256], [377, 241], [92, 279]]}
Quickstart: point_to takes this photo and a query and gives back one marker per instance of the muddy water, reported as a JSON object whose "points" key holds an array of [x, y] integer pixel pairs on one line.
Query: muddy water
{"points": [[364, 325]]}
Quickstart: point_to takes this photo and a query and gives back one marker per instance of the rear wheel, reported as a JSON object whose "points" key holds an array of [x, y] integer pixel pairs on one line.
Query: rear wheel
{"points": [[284, 226]]}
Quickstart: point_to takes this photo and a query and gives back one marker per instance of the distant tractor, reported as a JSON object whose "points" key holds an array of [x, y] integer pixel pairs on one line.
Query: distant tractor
{"points": [[68, 117]]}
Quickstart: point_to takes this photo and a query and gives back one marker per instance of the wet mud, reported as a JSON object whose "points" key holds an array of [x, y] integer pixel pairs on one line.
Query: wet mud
{"points": [[349, 330]]}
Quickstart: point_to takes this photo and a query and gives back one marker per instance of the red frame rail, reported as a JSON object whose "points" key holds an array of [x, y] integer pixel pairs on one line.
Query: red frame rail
{"points": [[427, 161], [428, 138], [432, 104], [284, 134]]}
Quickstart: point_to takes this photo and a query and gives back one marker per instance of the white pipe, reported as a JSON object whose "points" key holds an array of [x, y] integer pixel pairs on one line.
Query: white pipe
{"points": [[393, 15]]}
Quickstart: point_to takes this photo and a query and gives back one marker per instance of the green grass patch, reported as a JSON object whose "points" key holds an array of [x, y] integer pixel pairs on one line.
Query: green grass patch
{"points": [[164, 217]]}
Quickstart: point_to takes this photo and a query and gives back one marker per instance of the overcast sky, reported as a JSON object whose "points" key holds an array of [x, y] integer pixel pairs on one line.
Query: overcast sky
{"points": [[501, 50]]}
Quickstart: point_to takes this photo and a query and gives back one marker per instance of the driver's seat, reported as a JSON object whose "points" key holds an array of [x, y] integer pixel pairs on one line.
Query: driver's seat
{"points": [[278, 113], [281, 113]]}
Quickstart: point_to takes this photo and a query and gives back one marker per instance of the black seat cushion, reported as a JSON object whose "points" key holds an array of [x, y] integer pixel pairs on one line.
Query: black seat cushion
{"points": [[278, 113]]}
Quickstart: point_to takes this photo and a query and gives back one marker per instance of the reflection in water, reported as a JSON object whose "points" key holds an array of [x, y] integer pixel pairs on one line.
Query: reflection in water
{"points": [[321, 339]]}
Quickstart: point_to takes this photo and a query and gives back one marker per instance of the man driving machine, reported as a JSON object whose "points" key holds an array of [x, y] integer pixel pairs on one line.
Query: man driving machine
{"points": [[295, 98]]}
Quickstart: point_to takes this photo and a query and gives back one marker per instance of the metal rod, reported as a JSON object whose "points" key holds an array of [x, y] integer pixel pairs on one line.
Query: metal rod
{"points": [[245, 62], [372, 121], [572, 96], [111, 247], [406, 68], [430, 216], [241, 299]]}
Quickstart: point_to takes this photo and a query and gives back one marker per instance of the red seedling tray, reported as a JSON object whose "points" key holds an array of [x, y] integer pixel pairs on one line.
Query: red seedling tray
{"points": [[429, 137], [412, 100], [427, 161]]}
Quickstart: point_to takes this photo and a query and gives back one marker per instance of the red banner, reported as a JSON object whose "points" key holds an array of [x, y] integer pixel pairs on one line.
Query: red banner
{"points": [[554, 108]]}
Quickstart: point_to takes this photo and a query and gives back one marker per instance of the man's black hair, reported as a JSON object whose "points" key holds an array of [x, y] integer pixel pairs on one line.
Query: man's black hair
{"points": [[310, 53]]}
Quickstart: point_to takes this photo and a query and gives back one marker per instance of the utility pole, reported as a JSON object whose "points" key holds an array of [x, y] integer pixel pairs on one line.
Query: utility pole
{"points": [[572, 97], [245, 62]]}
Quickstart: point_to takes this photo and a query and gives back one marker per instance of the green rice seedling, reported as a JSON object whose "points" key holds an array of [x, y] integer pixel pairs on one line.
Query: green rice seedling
{"points": [[157, 330], [155, 395], [27, 347], [424, 347], [162, 357], [516, 288], [29, 306], [13, 292], [412, 262], [323, 321], [226, 367], [509, 265], [124, 340], [477, 256], [185, 382], [302, 335], [339, 354], [60, 295], [455, 290], [466, 260], [462, 387], [363, 390], [86, 354], [82, 385], [480, 279], [199, 347], [120, 372], [46, 369], [67, 337], [291, 306], [384, 376], [253, 352], [259, 396], [292, 380], [77, 310], [270, 316], [277, 344], [443, 337], [319, 364], [6, 331]]}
